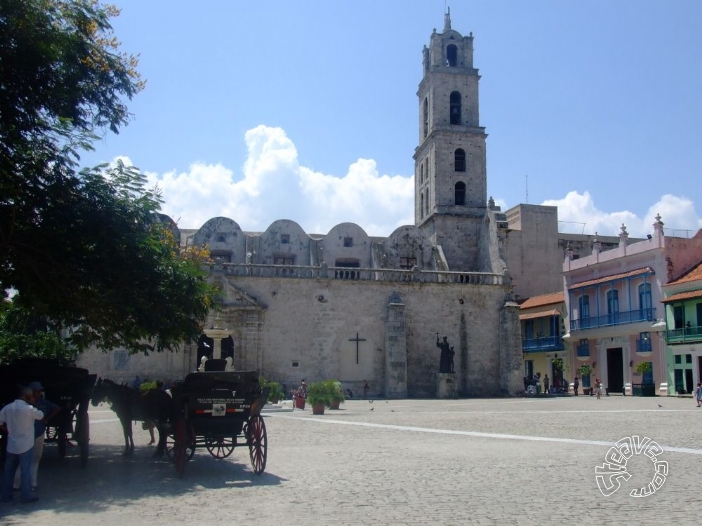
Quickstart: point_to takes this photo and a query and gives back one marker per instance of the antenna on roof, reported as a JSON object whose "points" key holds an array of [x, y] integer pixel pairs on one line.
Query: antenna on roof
{"points": [[527, 188]]}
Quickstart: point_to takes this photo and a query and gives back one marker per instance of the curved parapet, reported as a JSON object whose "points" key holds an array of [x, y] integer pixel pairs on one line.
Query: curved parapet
{"points": [[347, 245], [224, 238], [284, 243], [406, 248]]}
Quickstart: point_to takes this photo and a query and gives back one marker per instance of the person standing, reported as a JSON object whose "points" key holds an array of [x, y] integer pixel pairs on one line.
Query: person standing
{"points": [[17, 420], [366, 388], [576, 385], [698, 394], [546, 384], [50, 410]]}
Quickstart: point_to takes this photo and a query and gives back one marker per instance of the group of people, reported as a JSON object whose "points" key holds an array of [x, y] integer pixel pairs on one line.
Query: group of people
{"points": [[24, 421]]}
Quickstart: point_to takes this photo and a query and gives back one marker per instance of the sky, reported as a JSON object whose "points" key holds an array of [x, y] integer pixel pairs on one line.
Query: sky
{"points": [[308, 111]]}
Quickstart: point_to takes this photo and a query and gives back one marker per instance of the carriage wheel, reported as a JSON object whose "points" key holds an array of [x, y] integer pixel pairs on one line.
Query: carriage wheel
{"points": [[83, 437], [258, 443], [170, 448], [180, 439], [220, 447]]}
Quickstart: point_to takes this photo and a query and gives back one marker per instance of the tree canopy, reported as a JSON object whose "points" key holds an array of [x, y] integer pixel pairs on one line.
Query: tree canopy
{"points": [[84, 247]]}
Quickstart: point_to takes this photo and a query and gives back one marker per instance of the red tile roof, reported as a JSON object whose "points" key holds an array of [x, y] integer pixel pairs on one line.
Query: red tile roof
{"points": [[683, 296], [544, 299], [692, 275], [612, 277]]}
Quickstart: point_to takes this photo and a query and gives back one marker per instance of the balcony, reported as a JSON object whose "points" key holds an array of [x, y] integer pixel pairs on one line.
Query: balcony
{"points": [[617, 318], [644, 345], [545, 343], [684, 335]]}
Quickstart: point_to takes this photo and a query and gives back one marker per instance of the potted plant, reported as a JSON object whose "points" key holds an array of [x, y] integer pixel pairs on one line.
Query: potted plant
{"points": [[319, 395], [338, 396], [275, 392], [644, 389]]}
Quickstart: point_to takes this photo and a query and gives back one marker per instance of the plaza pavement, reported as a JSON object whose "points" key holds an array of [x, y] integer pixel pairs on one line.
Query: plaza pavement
{"points": [[401, 462]]}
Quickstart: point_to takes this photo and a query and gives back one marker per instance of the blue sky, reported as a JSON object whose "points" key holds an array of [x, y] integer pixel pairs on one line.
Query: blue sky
{"points": [[271, 109]]}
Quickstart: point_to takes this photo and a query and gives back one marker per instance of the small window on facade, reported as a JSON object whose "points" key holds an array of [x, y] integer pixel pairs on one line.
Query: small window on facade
{"points": [[421, 172], [576, 256], [460, 193], [688, 358], [452, 55], [284, 239], [408, 263], [459, 159], [348, 241], [426, 118], [455, 108], [678, 358], [221, 238], [284, 260], [295, 364], [421, 206]]}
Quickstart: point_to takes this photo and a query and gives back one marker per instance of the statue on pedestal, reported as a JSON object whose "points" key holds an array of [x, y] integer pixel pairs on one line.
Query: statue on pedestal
{"points": [[447, 353]]}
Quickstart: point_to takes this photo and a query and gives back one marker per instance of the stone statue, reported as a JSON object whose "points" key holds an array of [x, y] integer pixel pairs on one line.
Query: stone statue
{"points": [[446, 358], [203, 361], [230, 365]]}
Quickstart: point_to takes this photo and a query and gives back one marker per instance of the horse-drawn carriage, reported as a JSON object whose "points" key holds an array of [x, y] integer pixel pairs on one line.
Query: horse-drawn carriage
{"points": [[218, 411], [68, 387]]}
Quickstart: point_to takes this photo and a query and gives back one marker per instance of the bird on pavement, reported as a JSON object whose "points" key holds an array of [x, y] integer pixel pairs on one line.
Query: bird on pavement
{"points": [[370, 401], [372, 408], [659, 405]]}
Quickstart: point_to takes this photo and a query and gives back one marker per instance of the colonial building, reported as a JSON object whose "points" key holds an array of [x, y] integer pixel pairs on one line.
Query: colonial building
{"points": [[351, 307], [683, 335], [615, 311]]}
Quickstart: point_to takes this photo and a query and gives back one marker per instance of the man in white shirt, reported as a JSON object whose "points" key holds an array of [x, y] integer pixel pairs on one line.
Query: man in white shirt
{"points": [[17, 420]]}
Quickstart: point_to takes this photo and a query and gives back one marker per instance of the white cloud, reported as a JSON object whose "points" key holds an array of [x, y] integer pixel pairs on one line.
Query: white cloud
{"points": [[274, 186], [578, 214]]}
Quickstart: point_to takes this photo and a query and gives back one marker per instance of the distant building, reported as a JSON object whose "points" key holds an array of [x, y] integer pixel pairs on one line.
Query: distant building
{"points": [[614, 307], [683, 335]]}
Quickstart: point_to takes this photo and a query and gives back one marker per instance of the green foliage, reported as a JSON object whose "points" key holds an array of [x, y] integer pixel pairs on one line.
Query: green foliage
{"points": [[86, 248], [275, 390], [324, 392], [585, 370], [643, 367], [24, 335], [147, 386]]}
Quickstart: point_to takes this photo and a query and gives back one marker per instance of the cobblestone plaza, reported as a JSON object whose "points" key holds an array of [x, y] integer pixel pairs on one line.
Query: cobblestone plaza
{"points": [[404, 462]]}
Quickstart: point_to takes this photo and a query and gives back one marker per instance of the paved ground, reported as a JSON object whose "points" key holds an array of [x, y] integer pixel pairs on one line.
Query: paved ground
{"points": [[505, 461]]}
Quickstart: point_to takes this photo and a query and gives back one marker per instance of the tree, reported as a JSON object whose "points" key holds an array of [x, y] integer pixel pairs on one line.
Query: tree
{"points": [[85, 248]]}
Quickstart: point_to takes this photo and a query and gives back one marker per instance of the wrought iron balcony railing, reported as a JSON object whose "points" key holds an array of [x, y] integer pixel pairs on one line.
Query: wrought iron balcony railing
{"points": [[617, 318], [684, 335], [544, 343]]}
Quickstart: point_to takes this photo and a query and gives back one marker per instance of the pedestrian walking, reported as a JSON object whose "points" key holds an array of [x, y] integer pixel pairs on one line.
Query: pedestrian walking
{"points": [[50, 410], [17, 420]]}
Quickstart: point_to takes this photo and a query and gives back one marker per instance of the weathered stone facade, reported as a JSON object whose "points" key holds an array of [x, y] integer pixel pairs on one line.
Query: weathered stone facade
{"points": [[351, 307]]}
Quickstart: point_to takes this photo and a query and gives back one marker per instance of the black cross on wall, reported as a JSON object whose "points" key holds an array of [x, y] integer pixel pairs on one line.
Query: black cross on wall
{"points": [[357, 339]]}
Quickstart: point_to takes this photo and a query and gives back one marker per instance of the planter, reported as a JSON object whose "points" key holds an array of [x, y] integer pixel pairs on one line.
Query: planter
{"points": [[318, 409], [334, 404], [274, 401], [643, 389], [299, 402]]}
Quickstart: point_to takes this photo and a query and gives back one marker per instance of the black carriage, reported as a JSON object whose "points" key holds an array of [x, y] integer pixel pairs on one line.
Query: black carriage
{"points": [[218, 411], [68, 387]]}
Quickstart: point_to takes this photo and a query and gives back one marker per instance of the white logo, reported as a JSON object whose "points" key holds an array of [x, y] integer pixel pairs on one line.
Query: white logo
{"points": [[609, 474]]}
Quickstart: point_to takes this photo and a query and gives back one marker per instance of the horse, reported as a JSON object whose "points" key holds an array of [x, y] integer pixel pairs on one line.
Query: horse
{"points": [[154, 405]]}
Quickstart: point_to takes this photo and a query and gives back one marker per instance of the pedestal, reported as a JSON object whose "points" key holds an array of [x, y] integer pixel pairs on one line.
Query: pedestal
{"points": [[446, 386]]}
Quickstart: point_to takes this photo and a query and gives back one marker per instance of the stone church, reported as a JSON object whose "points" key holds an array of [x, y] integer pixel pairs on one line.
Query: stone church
{"points": [[352, 307]]}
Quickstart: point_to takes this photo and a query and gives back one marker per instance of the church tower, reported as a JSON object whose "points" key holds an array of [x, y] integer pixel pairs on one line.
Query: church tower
{"points": [[450, 162]]}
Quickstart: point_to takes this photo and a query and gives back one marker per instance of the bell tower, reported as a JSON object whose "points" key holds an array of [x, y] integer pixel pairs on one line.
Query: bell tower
{"points": [[450, 161]]}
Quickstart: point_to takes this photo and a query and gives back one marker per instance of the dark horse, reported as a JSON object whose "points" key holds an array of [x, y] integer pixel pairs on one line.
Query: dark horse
{"points": [[130, 404]]}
